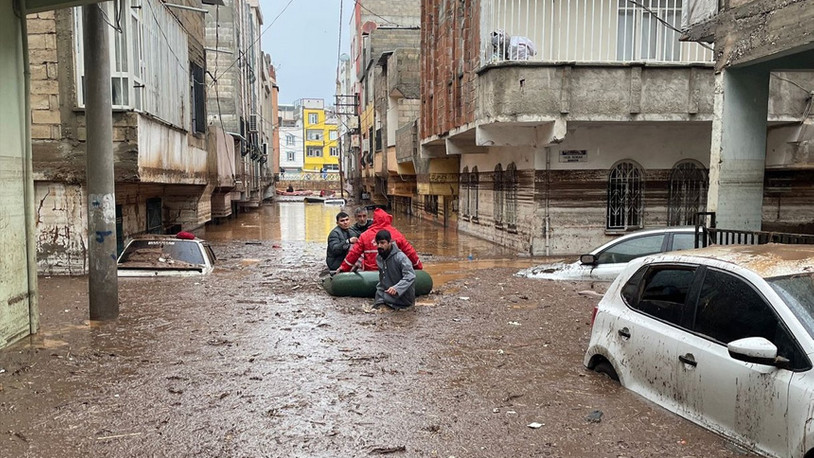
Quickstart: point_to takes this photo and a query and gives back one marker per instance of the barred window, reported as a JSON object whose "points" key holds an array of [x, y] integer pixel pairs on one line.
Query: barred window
{"points": [[464, 192], [497, 186], [510, 190], [688, 193], [473, 193], [625, 203]]}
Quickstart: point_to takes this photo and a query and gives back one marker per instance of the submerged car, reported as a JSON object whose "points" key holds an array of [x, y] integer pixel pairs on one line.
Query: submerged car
{"points": [[606, 262], [165, 255], [722, 336]]}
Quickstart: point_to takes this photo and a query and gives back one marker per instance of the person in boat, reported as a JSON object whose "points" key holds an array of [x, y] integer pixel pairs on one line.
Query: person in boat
{"points": [[339, 241], [366, 247], [396, 287], [362, 222]]}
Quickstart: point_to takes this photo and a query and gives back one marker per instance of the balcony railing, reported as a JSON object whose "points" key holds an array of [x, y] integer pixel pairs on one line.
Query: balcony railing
{"points": [[586, 31]]}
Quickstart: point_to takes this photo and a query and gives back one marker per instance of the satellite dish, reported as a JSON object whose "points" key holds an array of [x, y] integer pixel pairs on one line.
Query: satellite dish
{"points": [[344, 57]]}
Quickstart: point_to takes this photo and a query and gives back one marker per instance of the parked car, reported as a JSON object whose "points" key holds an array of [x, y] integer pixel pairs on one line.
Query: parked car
{"points": [[606, 262], [165, 255], [722, 336]]}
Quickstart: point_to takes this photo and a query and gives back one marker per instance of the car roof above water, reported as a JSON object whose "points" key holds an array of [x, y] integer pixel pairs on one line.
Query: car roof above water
{"points": [[767, 260]]}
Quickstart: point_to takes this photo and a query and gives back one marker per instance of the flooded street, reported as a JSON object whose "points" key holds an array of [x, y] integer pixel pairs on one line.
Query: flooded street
{"points": [[256, 360]]}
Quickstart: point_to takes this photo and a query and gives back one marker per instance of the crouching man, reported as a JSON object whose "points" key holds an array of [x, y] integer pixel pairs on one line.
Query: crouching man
{"points": [[396, 287]]}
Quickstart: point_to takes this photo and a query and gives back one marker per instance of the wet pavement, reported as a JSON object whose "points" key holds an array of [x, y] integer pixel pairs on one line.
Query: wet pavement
{"points": [[257, 360]]}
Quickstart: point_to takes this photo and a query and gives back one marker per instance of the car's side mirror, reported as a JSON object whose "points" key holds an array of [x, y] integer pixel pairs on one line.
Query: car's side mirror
{"points": [[757, 350], [588, 259]]}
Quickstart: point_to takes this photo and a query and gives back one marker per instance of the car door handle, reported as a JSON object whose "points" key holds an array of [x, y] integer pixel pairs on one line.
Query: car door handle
{"points": [[625, 332], [688, 359]]}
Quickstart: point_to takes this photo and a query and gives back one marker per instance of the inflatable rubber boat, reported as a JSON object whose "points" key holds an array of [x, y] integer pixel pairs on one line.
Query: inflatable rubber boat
{"points": [[363, 284]]}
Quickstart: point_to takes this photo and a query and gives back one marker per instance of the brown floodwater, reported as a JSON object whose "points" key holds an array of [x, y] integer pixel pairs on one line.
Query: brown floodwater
{"points": [[256, 360]]}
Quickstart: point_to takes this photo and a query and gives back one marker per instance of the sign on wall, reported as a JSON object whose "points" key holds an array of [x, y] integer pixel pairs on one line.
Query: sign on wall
{"points": [[574, 155]]}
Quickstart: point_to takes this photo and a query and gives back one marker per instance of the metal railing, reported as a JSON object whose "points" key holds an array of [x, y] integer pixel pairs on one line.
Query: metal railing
{"points": [[585, 31], [707, 234], [310, 176]]}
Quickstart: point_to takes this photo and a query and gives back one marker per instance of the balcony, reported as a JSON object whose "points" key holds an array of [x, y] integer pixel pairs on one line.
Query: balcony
{"points": [[586, 31]]}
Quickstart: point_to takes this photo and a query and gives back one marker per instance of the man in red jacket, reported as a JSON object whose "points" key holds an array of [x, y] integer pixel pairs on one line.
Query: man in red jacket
{"points": [[366, 246]]}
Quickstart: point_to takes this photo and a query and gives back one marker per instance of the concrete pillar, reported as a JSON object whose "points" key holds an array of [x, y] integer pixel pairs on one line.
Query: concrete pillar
{"points": [[738, 150], [103, 286], [18, 263]]}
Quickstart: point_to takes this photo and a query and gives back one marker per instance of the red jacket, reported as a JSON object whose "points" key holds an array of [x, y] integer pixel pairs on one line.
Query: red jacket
{"points": [[366, 246]]}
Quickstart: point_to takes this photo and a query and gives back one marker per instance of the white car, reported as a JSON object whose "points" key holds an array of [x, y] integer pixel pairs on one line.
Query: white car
{"points": [[723, 336], [606, 262], [165, 255]]}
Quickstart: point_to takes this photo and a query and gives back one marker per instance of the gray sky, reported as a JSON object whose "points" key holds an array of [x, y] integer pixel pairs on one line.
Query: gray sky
{"points": [[303, 45]]}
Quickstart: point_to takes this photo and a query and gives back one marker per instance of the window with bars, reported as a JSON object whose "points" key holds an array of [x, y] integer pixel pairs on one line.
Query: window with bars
{"points": [[641, 33], [497, 195], [688, 193], [473, 194], [464, 192], [149, 63], [510, 190], [198, 96], [625, 202], [334, 151], [314, 152]]}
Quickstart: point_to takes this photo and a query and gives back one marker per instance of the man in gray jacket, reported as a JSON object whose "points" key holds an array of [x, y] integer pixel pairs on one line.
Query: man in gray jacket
{"points": [[339, 241], [396, 287]]}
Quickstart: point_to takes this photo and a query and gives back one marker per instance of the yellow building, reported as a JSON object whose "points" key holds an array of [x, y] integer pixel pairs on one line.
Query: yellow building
{"points": [[321, 145]]}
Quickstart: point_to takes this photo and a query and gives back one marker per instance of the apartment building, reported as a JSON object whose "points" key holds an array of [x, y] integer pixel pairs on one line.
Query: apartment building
{"points": [[551, 127], [292, 147], [320, 136], [238, 99]]}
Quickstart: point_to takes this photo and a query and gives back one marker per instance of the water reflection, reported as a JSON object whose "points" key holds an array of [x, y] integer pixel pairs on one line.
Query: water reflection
{"points": [[311, 222]]}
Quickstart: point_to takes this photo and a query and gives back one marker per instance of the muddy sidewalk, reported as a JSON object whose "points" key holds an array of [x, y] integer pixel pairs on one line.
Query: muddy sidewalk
{"points": [[256, 360]]}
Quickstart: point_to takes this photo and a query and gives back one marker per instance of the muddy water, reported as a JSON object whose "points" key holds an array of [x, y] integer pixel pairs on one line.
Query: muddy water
{"points": [[256, 360]]}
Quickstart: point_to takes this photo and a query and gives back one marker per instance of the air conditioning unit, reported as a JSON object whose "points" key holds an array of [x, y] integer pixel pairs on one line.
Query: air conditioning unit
{"points": [[254, 121]]}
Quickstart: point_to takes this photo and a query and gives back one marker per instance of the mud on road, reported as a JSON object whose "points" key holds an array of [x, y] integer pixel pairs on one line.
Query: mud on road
{"points": [[256, 360]]}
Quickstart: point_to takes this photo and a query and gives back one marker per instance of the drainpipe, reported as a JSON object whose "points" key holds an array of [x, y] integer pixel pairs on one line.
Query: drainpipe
{"points": [[28, 171], [547, 217], [103, 285]]}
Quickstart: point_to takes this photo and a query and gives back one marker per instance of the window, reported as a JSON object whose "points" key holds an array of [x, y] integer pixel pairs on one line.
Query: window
{"points": [[473, 194], [149, 61], [684, 241], [198, 96], [688, 193], [497, 186], [631, 249], [314, 152], [334, 151], [290, 155], [313, 118], [663, 294], [289, 140], [464, 192], [510, 190], [625, 196], [730, 309], [332, 135], [313, 134], [641, 35]]}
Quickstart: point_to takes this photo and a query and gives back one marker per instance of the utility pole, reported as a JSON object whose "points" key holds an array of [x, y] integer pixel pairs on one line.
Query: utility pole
{"points": [[103, 284], [346, 105]]}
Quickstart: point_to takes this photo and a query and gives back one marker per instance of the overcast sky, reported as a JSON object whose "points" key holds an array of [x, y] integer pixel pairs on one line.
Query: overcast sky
{"points": [[303, 45]]}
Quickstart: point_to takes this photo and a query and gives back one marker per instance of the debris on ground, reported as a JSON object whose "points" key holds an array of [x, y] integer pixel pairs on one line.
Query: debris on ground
{"points": [[595, 416]]}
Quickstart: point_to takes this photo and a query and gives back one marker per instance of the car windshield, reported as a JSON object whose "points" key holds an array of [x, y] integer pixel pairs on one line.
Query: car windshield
{"points": [[798, 292], [162, 254]]}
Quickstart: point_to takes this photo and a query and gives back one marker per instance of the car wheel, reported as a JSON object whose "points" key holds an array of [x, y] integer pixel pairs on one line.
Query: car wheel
{"points": [[604, 367]]}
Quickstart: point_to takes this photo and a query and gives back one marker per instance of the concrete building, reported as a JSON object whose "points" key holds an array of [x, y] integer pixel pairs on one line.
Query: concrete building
{"points": [[551, 127], [762, 166], [378, 29], [239, 92], [320, 136], [160, 131], [292, 148]]}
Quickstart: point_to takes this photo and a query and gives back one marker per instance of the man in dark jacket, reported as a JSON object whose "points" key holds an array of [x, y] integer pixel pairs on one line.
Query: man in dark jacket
{"points": [[396, 287], [339, 241], [362, 222]]}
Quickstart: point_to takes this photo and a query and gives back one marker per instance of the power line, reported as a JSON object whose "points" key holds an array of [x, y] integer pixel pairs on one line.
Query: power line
{"points": [[359, 2], [665, 23], [241, 52]]}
